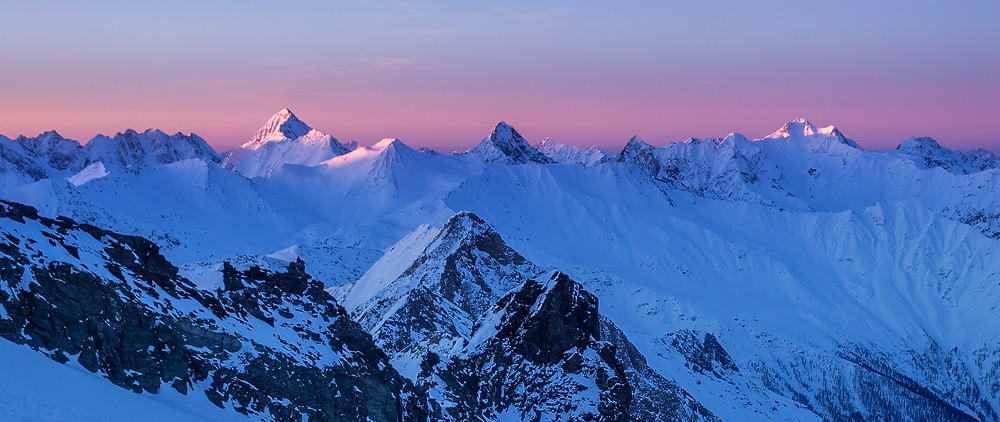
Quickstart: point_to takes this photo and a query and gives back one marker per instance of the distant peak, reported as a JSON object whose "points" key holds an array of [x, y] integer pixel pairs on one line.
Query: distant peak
{"points": [[801, 128], [282, 125], [506, 145], [735, 137], [795, 128], [387, 142], [547, 142], [393, 145], [635, 150], [922, 142], [505, 132], [50, 134], [636, 143]]}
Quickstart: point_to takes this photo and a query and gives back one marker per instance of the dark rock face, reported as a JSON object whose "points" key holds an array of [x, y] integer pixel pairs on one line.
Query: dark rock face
{"points": [[565, 317], [271, 343], [654, 398], [529, 357], [705, 355], [640, 154]]}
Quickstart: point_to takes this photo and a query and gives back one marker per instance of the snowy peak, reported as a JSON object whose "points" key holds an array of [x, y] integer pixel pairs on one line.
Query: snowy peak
{"points": [[983, 159], [506, 146], [466, 233], [283, 140], [640, 154], [635, 145], [569, 154], [150, 148], [801, 129], [922, 143], [58, 152], [282, 125], [391, 153], [434, 284], [795, 128], [928, 153], [390, 143]]}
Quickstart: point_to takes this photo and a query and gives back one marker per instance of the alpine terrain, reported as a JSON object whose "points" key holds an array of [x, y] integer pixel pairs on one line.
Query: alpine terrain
{"points": [[795, 277]]}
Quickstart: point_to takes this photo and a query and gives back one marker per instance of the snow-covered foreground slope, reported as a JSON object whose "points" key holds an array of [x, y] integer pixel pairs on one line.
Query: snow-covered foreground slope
{"points": [[34, 388], [794, 277]]}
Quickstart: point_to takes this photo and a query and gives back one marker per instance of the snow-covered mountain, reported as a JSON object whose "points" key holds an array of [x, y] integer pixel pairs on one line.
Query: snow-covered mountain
{"points": [[24, 160], [151, 148], [792, 277], [284, 139], [506, 146], [570, 154]]}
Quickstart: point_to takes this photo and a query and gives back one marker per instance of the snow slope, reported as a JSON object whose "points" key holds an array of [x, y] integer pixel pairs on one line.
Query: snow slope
{"points": [[840, 283], [34, 388]]}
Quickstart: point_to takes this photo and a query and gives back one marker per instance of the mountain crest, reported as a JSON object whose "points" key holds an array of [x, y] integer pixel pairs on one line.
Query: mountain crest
{"points": [[921, 142], [802, 129], [151, 148], [282, 125], [929, 153], [571, 154], [505, 145]]}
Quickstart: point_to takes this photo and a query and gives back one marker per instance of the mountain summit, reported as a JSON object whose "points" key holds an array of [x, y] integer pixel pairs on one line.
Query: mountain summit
{"points": [[802, 129], [282, 125], [505, 145], [284, 139]]}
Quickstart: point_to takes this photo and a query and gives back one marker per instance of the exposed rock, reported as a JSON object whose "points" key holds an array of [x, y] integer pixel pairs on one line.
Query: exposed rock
{"points": [[118, 308]]}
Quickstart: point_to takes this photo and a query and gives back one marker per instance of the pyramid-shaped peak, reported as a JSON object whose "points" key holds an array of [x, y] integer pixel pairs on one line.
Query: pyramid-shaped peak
{"points": [[465, 221], [388, 142], [282, 125], [735, 137], [506, 133], [50, 134], [392, 150], [505, 145], [636, 144]]}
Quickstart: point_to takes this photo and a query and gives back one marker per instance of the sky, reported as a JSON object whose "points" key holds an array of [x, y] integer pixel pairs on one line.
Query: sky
{"points": [[443, 73]]}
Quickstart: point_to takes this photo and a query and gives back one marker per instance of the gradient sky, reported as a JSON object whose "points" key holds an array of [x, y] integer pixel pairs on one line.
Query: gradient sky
{"points": [[442, 73]]}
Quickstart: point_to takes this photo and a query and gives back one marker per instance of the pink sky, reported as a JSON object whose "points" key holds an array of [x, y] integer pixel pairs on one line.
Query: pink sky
{"points": [[441, 75]]}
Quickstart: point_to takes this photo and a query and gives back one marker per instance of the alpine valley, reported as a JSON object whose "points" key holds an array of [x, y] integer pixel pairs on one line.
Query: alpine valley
{"points": [[796, 277]]}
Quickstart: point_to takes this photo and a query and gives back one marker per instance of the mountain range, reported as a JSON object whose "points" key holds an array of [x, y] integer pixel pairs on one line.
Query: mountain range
{"points": [[792, 277]]}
